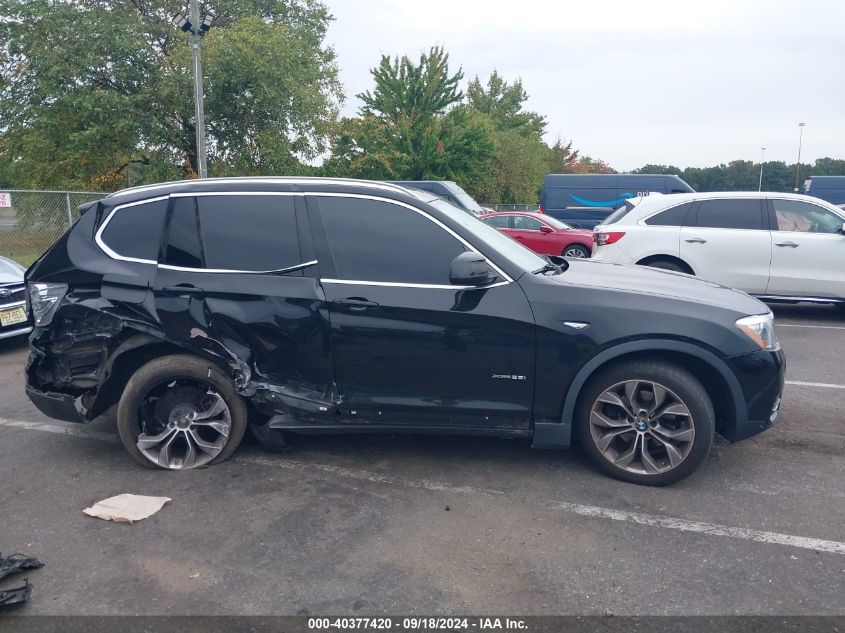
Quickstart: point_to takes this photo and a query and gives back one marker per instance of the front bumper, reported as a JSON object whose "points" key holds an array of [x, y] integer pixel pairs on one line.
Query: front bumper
{"points": [[59, 406], [9, 332], [761, 378]]}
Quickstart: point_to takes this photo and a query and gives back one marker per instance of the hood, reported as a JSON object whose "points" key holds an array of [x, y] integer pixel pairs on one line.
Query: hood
{"points": [[10, 272], [659, 283]]}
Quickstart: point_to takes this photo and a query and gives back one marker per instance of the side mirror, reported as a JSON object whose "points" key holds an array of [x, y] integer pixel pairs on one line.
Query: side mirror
{"points": [[470, 269], [546, 229]]}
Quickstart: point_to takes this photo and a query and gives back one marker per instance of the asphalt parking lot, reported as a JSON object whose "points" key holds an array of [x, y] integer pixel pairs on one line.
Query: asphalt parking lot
{"points": [[406, 524]]}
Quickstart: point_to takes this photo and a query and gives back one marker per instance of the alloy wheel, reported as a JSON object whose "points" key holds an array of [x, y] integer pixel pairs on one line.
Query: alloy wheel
{"points": [[184, 424], [574, 252], [642, 427]]}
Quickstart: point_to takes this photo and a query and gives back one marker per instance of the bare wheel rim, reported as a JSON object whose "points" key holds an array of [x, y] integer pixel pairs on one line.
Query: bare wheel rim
{"points": [[183, 424], [574, 252], [642, 427]]}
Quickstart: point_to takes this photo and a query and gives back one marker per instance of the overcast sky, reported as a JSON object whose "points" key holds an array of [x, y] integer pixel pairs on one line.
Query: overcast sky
{"points": [[633, 81]]}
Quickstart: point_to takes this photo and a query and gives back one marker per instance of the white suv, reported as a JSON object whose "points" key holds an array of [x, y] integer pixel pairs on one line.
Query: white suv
{"points": [[778, 246]]}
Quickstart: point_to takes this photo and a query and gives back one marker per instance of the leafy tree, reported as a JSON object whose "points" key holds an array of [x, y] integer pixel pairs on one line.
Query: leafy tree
{"points": [[589, 165], [91, 89], [658, 169], [562, 158], [503, 103], [411, 126]]}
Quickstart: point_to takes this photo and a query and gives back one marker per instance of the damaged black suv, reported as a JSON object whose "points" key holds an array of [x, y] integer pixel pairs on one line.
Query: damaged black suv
{"points": [[299, 305]]}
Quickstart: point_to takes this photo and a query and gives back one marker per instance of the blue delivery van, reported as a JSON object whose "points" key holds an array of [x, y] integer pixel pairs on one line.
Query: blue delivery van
{"points": [[829, 188], [584, 200]]}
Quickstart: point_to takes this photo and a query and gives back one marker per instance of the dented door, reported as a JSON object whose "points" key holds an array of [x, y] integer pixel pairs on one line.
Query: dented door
{"points": [[235, 280]]}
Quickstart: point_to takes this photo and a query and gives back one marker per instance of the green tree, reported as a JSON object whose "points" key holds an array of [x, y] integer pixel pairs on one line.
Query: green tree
{"points": [[504, 103], [412, 126], [521, 156], [90, 89]]}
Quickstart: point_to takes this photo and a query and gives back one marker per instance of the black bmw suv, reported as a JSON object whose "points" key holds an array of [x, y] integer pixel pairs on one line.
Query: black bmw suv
{"points": [[296, 305]]}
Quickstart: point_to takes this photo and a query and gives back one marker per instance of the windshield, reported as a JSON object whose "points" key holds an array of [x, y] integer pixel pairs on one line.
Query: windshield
{"points": [[515, 252], [464, 198], [555, 222], [10, 266]]}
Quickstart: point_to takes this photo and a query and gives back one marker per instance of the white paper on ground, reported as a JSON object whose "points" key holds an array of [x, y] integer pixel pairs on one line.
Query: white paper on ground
{"points": [[126, 508]]}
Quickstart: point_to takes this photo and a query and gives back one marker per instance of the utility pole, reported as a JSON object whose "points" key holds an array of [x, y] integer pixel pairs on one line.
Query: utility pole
{"points": [[762, 154], [196, 36], [798, 164]]}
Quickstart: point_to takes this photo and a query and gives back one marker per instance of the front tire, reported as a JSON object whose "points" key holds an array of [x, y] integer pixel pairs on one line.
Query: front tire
{"points": [[180, 412], [646, 422]]}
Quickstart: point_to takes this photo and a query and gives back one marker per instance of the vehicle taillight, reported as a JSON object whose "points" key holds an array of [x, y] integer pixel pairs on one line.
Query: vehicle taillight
{"points": [[603, 239], [542, 209]]}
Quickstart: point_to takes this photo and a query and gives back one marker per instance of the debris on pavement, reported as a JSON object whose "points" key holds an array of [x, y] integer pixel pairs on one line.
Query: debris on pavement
{"points": [[16, 563], [126, 508], [15, 595]]}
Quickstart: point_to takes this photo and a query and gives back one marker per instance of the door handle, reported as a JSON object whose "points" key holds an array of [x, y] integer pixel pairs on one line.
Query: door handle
{"points": [[182, 290], [696, 240], [355, 303], [789, 244]]}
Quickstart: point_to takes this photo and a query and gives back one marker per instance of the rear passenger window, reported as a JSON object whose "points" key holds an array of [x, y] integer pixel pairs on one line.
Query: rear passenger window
{"points": [[378, 241], [183, 244], [135, 231], [730, 214], [671, 217], [250, 233]]}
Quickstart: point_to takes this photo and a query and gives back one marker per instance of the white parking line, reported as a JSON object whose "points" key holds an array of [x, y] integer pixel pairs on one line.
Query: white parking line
{"points": [[817, 327], [823, 385], [651, 520]]}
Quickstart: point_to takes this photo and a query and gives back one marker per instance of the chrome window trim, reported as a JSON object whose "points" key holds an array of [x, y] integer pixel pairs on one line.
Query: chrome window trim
{"points": [[114, 255], [241, 272], [396, 284], [429, 218], [98, 237]]}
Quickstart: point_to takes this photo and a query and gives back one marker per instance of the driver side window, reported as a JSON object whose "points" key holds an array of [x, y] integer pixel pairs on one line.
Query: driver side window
{"points": [[804, 217]]}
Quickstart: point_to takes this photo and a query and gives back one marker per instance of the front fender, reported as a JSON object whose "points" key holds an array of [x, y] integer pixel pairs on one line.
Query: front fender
{"points": [[559, 434]]}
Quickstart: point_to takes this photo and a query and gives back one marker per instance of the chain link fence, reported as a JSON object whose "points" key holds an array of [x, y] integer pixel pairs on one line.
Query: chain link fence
{"points": [[513, 207], [30, 221]]}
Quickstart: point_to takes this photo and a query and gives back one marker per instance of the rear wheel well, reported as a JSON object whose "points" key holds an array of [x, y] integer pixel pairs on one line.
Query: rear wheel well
{"points": [[651, 259], [125, 365], [715, 385]]}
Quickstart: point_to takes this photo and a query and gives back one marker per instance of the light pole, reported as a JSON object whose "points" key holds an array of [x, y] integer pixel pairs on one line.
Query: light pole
{"points": [[197, 29], [762, 154], [798, 164]]}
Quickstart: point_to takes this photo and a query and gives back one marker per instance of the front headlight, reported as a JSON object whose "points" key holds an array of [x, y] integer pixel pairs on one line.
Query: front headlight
{"points": [[44, 299], [760, 328]]}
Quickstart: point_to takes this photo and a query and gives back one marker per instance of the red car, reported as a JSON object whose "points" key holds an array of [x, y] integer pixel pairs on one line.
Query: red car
{"points": [[542, 233]]}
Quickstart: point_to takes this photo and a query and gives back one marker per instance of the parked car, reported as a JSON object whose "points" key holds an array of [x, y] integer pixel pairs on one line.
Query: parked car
{"points": [[542, 234], [777, 246], [332, 306], [584, 200], [14, 317], [447, 190], [828, 188]]}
